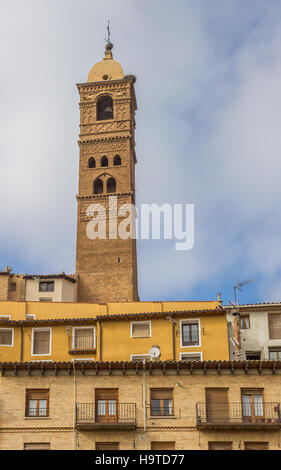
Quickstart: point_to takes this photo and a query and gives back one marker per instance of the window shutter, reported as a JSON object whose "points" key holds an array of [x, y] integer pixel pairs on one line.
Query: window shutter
{"points": [[256, 445], [216, 396], [106, 394], [162, 446], [107, 445], [36, 446], [37, 394], [162, 394], [220, 445], [274, 325], [6, 337], [140, 330]]}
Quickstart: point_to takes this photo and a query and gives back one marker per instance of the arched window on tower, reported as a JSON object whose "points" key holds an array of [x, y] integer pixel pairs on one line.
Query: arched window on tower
{"points": [[117, 160], [104, 161], [104, 108], [98, 186], [111, 185], [92, 163]]}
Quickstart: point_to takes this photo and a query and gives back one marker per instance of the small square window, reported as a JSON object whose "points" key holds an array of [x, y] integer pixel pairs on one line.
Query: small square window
{"points": [[275, 354], [46, 286], [13, 287], [6, 337], [190, 333], [37, 403], [244, 322], [161, 402], [253, 355], [141, 329], [41, 341]]}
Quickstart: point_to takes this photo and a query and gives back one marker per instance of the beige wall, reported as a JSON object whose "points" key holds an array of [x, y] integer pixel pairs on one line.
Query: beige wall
{"points": [[188, 389], [65, 291]]}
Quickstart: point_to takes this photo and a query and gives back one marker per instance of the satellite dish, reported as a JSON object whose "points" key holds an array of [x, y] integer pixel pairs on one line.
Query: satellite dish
{"points": [[154, 352]]}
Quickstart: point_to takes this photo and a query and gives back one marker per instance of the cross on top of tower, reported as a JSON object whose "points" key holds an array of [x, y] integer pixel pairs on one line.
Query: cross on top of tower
{"points": [[109, 44]]}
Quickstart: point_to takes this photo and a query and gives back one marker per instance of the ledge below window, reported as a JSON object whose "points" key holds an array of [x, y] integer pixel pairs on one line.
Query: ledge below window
{"points": [[82, 351]]}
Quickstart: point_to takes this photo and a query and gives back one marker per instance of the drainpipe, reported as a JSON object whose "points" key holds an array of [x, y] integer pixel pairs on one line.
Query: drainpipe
{"points": [[174, 343], [100, 340], [21, 344], [144, 400], [74, 406]]}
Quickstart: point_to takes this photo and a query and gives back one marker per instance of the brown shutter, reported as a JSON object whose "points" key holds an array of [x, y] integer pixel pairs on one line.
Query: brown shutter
{"points": [[256, 445], [107, 445], [6, 337], [106, 394], [37, 394], [216, 395], [162, 446], [217, 405], [220, 445], [140, 330], [274, 326], [36, 446], [162, 394]]}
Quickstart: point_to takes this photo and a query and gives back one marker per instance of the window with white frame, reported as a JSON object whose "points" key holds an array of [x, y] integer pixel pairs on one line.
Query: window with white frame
{"points": [[5, 317], [140, 329], [30, 316], [41, 341], [191, 356], [140, 357], [190, 333], [83, 338], [6, 337]]}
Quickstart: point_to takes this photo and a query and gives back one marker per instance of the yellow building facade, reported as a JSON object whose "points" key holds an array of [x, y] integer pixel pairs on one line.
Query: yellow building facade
{"points": [[112, 332]]}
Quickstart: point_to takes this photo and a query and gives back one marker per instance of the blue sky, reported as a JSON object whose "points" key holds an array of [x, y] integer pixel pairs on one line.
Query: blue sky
{"points": [[208, 132]]}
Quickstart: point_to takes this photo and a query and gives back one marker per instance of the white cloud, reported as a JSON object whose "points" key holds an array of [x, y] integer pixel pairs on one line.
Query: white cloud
{"points": [[208, 131]]}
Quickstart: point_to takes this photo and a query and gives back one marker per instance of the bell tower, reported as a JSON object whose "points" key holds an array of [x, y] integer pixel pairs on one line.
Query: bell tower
{"points": [[106, 268]]}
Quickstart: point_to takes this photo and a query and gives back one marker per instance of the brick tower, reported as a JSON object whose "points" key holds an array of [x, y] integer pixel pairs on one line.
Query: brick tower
{"points": [[107, 268]]}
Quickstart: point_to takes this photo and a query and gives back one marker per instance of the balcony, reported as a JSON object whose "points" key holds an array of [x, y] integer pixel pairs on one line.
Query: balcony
{"points": [[233, 416], [91, 417], [81, 345]]}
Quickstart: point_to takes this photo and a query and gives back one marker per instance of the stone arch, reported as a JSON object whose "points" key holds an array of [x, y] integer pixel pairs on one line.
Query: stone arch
{"points": [[111, 185], [117, 160], [91, 162], [104, 108], [104, 161], [98, 186]]}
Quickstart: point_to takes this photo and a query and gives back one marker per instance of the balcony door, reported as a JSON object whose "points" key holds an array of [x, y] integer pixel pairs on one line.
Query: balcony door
{"points": [[106, 405], [252, 406], [217, 410]]}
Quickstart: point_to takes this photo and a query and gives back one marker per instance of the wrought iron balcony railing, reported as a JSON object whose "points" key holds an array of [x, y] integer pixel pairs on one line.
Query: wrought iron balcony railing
{"points": [[158, 411], [225, 414], [106, 413]]}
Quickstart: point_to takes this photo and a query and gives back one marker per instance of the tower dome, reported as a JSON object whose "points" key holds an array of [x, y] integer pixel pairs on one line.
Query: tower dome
{"points": [[106, 69]]}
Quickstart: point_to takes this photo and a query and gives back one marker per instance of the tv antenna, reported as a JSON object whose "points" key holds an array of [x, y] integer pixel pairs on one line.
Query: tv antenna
{"points": [[238, 286]]}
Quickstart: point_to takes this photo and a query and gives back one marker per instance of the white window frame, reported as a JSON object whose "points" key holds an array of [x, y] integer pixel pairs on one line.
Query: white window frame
{"points": [[191, 320], [191, 354], [143, 322], [8, 345], [74, 328], [5, 317], [144, 356], [30, 315], [32, 341]]}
